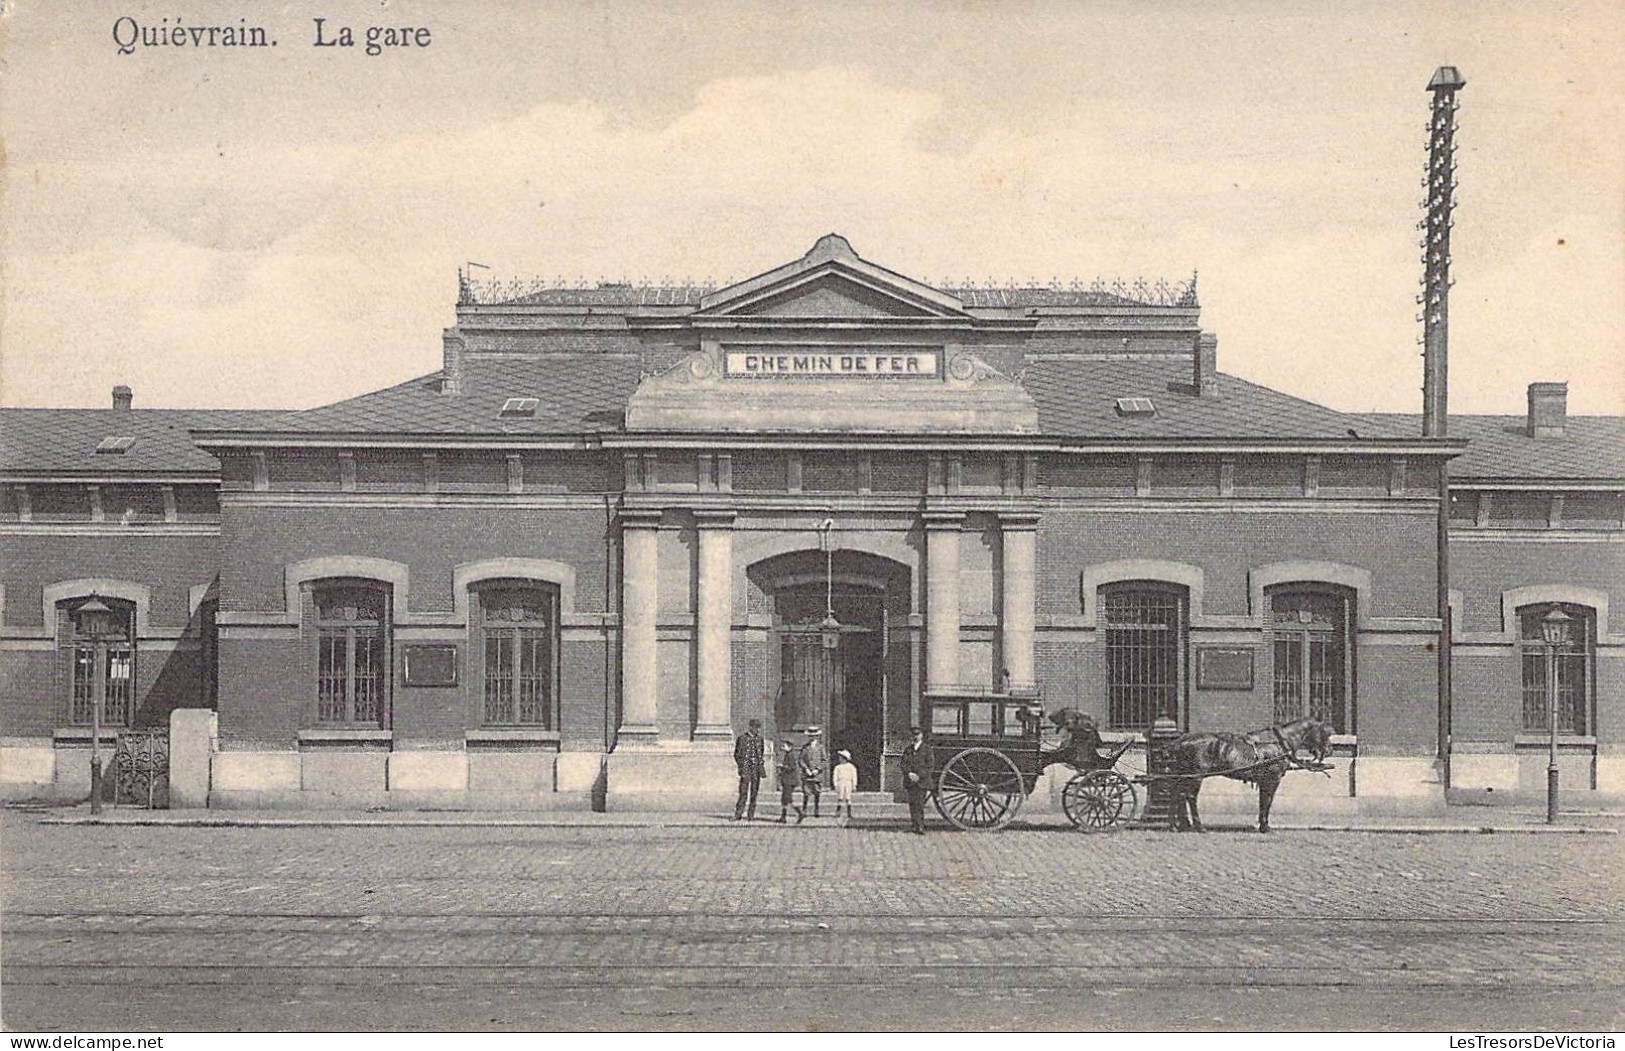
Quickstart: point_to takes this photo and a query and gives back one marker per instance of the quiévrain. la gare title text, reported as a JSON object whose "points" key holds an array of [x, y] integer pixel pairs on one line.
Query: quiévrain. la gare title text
{"points": [[174, 34]]}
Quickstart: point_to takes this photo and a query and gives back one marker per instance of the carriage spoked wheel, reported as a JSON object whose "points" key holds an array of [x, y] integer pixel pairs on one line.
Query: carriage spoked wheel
{"points": [[1099, 801], [980, 789]]}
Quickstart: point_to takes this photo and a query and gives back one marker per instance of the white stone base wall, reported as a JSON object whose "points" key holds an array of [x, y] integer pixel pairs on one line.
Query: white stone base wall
{"points": [[702, 781], [28, 770], [444, 779], [1486, 776]]}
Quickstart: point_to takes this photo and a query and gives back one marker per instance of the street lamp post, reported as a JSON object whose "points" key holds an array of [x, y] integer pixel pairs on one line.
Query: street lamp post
{"points": [[98, 622], [1554, 629]]}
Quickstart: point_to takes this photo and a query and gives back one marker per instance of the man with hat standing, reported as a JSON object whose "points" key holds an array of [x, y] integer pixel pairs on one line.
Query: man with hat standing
{"points": [[752, 768], [814, 767], [917, 778]]}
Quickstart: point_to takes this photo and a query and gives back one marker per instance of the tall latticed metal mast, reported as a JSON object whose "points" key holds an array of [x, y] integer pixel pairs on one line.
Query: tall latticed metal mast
{"points": [[1440, 201]]}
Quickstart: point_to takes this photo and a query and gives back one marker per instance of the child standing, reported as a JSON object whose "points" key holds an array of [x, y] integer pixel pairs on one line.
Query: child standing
{"points": [[845, 776]]}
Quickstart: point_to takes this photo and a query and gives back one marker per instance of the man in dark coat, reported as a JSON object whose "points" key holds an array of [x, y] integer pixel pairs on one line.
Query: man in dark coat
{"points": [[752, 768], [918, 777]]}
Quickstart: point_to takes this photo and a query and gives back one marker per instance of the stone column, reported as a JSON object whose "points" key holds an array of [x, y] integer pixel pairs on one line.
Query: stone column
{"points": [[640, 610], [1020, 533], [713, 637], [942, 532]]}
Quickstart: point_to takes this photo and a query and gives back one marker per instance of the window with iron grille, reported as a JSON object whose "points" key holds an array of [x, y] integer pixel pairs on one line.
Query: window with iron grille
{"points": [[518, 646], [1312, 633], [352, 655], [1145, 653], [1575, 662], [101, 667]]}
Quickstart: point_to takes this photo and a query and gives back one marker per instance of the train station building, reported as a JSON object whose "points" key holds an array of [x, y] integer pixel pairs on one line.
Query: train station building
{"points": [[565, 569]]}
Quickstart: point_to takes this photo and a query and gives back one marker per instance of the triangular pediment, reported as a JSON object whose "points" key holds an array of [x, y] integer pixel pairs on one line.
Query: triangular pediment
{"points": [[830, 281], [831, 295]]}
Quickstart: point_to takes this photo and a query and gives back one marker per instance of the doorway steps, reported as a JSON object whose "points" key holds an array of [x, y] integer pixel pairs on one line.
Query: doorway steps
{"points": [[879, 806]]}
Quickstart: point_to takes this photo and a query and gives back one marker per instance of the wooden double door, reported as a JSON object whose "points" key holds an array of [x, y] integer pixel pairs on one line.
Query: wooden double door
{"points": [[834, 679]]}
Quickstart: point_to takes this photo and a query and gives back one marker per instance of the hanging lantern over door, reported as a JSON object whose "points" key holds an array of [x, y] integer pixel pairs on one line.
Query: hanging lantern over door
{"points": [[829, 628]]}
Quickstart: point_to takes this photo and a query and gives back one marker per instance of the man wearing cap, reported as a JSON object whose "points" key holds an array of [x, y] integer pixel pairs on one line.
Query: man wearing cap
{"points": [[814, 768], [752, 768], [917, 778]]}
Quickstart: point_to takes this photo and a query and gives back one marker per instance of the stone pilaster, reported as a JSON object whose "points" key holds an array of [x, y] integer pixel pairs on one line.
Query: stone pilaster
{"points": [[1020, 534], [942, 533], [713, 632], [640, 609]]}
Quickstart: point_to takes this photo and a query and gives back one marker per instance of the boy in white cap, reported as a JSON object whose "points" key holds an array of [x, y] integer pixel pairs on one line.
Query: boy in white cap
{"points": [[845, 777]]}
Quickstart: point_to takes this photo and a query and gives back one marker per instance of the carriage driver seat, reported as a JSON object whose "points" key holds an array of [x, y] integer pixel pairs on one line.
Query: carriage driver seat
{"points": [[1082, 749]]}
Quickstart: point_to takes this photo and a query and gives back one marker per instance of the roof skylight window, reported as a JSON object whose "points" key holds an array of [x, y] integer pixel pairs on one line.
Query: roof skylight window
{"points": [[520, 406], [1136, 407], [115, 444]]}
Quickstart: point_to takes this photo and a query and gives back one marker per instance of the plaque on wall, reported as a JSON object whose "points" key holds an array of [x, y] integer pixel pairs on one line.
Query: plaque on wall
{"points": [[1224, 667], [431, 664]]}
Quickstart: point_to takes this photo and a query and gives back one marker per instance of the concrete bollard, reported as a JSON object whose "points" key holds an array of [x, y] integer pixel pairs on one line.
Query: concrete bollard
{"points": [[192, 735]]}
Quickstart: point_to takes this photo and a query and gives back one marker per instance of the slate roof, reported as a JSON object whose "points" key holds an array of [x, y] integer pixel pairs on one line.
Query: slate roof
{"points": [[1078, 398], [577, 393], [63, 441], [689, 295], [587, 393], [1592, 447]]}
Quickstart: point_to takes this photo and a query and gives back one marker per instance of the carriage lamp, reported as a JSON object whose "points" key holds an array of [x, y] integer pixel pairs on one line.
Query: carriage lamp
{"points": [[97, 621], [1554, 629]]}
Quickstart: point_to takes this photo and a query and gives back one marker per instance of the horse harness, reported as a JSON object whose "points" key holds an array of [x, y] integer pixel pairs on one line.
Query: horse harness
{"points": [[1291, 757]]}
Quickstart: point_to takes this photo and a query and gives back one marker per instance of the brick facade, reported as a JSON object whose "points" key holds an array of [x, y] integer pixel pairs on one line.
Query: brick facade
{"points": [[1217, 495]]}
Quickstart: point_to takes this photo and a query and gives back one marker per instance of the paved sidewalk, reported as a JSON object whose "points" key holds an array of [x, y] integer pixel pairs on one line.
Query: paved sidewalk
{"points": [[1458, 821]]}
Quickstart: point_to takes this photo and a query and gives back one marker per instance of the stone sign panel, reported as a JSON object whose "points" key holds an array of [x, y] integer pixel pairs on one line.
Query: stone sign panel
{"points": [[825, 362]]}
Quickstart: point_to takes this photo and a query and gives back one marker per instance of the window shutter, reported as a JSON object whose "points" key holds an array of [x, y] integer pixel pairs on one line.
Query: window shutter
{"points": [[311, 639], [64, 664]]}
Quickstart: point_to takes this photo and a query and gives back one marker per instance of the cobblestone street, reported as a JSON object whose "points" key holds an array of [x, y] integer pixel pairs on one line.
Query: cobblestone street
{"points": [[767, 927]]}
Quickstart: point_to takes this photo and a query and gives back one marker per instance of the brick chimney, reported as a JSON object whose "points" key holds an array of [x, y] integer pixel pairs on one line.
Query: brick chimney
{"points": [[451, 376], [1548, 409], [1205, 374], [123, 398]]}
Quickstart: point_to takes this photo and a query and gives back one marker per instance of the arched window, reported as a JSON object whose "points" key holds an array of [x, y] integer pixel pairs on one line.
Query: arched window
{"points": [[1311, 626], [352, 653], [97, 639], [1145, 653], [1575, 661], [518, 644]]}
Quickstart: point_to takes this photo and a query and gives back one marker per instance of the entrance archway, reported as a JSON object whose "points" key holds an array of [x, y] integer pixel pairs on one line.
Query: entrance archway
{"points": [[852, 680]]}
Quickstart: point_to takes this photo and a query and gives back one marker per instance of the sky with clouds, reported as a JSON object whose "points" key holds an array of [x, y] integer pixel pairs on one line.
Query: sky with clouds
{"points": [[281, 227]]}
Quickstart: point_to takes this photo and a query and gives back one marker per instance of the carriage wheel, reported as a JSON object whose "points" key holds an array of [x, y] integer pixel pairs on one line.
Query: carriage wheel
{"points": [[980, 789], [1099, 801]]}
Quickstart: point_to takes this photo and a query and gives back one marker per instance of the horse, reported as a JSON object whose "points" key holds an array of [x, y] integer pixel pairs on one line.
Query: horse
{"points": [[1261, 757]]}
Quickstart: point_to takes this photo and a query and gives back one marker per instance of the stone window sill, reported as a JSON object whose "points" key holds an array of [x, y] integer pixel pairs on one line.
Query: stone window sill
{"points": [[81, 735], [342, 737], [1563, 741], [513, 733], [513, 737]]}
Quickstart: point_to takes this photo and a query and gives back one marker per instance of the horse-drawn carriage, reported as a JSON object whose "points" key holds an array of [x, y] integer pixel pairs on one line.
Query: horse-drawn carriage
{"points": [[989, 752]]}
